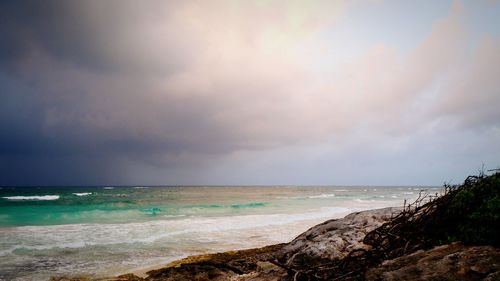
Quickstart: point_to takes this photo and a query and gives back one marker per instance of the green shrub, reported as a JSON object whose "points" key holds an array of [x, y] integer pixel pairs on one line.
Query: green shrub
{"points": [[475, 211]]}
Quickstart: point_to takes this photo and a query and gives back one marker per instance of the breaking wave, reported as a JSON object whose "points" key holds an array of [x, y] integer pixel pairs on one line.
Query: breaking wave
{"points": [[42, 197]]}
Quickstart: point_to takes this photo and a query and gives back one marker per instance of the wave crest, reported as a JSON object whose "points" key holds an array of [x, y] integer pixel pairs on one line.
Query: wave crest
{"points": [[325, 195], [42, 197], [82, 193]]}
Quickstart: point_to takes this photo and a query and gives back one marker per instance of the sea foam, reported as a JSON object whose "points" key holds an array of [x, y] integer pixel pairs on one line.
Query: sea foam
{"points": [[84, 235], [43, 197], [327, 195], [82, 193]]}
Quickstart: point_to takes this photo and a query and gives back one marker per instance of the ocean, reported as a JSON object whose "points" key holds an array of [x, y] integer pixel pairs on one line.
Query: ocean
{"points": [[54, 231]]}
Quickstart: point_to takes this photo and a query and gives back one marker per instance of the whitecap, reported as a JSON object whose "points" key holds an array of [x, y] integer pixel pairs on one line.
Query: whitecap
{"points": [[120, 195], [109, 187], [140, 187], [43, 197], [82, 193], [325, 195]]}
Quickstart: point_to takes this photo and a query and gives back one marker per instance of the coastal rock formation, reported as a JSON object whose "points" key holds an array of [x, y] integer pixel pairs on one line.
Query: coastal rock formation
{"points": [[448, 262], [333, 239]]}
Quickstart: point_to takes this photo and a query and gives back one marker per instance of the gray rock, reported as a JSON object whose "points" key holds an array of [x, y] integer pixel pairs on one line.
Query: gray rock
{"points": [[448, 262], [334, 239]]}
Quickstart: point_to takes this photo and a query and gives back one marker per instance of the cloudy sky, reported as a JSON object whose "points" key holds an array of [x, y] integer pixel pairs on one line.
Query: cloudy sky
{"points": [[248, 92]]}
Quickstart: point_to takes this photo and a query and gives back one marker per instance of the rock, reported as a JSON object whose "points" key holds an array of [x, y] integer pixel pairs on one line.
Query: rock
{"points": [[265, 271], [264, 266], [448, 262], [127, 277], [197, 272], [232, 265], [124, 277], [333, 239]]}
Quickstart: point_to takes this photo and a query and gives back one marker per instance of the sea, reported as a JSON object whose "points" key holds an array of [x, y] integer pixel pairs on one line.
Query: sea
{"points": [[108, 230]]}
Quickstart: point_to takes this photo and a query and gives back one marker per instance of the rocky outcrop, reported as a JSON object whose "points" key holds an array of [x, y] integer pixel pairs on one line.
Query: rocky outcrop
{"points": [[333, 239], [448, 262]]}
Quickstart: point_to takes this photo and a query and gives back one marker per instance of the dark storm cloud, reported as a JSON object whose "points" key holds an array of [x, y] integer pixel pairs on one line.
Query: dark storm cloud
{"points": [[53, 59], [101, 35], [76, 83], [119, 92], [33, 26]]}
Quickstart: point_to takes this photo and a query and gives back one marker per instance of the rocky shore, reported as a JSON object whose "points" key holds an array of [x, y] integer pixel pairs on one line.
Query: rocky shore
{"points": [[419, 242], [332, 239]]}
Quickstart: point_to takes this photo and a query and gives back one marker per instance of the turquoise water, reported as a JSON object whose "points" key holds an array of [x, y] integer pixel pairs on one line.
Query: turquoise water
{"points": [[50, 206], [54, 231]]}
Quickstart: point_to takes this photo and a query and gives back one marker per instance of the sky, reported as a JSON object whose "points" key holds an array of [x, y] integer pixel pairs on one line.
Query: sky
{"points": [[230, 92]]}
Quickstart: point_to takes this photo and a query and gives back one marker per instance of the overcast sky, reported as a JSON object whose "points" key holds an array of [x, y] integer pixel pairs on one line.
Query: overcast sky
{"points": [[248, 92]]}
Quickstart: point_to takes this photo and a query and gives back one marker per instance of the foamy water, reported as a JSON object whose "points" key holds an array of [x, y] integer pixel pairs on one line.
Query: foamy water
{"points": [[36, 198], [82, 193], [108, 231]]}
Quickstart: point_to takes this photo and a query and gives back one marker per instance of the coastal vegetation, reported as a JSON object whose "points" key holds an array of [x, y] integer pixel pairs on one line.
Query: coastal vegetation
{"points": [[469, 213]]}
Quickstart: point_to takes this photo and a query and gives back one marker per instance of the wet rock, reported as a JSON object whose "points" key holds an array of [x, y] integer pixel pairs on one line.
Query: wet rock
{"points": [[127, 277], [263, 266], [197, 272], [234, 265], [265, 271]]}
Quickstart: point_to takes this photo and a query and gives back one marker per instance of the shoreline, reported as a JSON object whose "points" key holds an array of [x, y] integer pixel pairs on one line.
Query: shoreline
{"points": [[208, 224], [253, 258], [333, 239], [143, 270], [233, 264]]}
